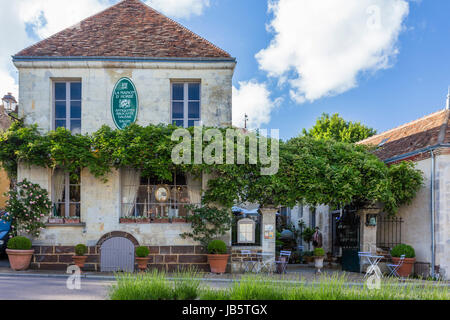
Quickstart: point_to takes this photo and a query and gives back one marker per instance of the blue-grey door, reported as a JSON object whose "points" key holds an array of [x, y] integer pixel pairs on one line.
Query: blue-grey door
{"points": [[117, 254]]}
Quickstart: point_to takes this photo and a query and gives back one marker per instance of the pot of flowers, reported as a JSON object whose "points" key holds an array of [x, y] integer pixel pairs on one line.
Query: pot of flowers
{"points": [[142, 258], [80, 255], [217, 256], [319, 255], [19, 253], [410, 258], [72, 220], [160, 219]]}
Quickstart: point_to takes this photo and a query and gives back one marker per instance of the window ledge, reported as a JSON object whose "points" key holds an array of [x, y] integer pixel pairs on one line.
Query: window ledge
{"points": [[82, 224]]}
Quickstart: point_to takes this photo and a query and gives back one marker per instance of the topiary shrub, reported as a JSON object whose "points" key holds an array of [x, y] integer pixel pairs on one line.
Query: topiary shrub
{"points": [[80, 250], [403, 249], [217, 247], [142, 252], [19, 243], [319, 252]]}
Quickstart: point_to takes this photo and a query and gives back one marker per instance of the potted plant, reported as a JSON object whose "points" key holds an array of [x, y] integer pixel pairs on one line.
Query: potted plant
{"points": [[160, 219], [217, 256], [56, 220], [308, 257], [308, 234], [80, 255], [142, 257], [410, 258], [319, 255], [127, 220], [72, 220], [19, 253], [178, 220], [142, 220]]}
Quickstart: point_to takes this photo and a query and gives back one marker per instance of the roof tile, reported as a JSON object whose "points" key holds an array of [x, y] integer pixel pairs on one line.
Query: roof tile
{"points": [[127, 29]]}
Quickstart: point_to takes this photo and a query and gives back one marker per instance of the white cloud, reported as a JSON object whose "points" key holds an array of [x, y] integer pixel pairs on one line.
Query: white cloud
{"points": [[46, 17], [321, 47], [252, 98], [179, 8]]}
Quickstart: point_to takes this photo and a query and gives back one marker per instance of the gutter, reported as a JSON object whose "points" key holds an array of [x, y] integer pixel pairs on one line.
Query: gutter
{"points": [[121, 59], [433, 209], [419, 151]]}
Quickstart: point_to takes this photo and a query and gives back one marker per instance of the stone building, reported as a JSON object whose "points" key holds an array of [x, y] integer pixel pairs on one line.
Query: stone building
{"points": [[9, 104], [137, 58], [425, 224]]}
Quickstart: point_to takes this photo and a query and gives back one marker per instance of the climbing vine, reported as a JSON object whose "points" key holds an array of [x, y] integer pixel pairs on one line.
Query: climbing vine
{"points": [[312, 171]]}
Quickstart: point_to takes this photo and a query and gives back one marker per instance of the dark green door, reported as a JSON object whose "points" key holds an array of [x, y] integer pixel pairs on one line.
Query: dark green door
{"points": [[348, 237]]}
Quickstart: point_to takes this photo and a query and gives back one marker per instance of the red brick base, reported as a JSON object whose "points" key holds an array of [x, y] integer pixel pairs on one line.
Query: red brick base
{"points": [[168, 258]]}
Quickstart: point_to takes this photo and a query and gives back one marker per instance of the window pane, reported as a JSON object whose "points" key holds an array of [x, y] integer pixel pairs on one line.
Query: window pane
{"points": [[75, 126], [74, 209], [192, 123], [75, 194], [177, 110], [194, 110], [60, 123], [178, 91], [60, 91], [60, 109], [75, 91], [59, 210], [75, 109], [194, 91], [179, 123]]}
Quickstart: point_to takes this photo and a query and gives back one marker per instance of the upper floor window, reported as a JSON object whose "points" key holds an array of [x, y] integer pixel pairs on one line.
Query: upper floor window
{"points": [[67, 105], [185, 104]]}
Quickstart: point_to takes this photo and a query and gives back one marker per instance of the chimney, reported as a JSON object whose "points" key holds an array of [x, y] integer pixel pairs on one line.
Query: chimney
{"points": [[447, 107]]}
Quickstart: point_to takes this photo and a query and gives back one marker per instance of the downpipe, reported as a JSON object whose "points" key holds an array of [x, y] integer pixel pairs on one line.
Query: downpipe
{"points": [[433, 209]]}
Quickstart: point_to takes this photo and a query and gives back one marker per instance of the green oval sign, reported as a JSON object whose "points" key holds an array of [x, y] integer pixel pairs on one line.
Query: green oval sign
{"points": [[124, 103]]}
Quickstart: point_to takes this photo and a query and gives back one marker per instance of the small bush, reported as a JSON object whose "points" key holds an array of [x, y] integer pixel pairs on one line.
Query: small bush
{"points": [[19, 243], [319, 252], [217, 247], [403, 249], [80, 250], [142, 252]]}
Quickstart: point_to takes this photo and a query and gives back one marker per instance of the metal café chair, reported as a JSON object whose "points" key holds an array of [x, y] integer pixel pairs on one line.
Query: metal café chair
{"points": [[247, 264], [394, 267], [283, 262]]}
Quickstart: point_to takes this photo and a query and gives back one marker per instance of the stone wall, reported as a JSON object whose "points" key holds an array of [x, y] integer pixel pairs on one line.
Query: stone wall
{"points": [[152, 81]]}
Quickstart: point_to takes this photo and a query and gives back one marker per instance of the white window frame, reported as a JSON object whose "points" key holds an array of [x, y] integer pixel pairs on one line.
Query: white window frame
{"points": [[246, 221], [186, 102], [68, 101]]}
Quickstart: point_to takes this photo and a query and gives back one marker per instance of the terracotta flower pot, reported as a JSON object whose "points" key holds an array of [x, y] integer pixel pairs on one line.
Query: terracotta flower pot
{"points": [[218, 262], [19, 259], [79, 261], [406, 269], [178, 220], [142, 263]]}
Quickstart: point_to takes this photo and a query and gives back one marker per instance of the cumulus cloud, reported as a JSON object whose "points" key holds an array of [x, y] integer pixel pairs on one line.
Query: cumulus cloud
{"points": [[252, 98], [179, 8], [321, 47], [26, 21]]}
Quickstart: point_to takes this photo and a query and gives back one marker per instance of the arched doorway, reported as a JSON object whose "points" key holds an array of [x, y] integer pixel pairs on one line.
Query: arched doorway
{"points": [[117, 254]]}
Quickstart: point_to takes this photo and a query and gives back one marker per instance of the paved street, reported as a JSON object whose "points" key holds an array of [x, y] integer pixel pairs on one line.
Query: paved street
{"points": [[41, 288]]}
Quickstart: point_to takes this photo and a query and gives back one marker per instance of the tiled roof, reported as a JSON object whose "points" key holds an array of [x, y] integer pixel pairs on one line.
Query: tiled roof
{"points": [[127, 29], [424, 132]]}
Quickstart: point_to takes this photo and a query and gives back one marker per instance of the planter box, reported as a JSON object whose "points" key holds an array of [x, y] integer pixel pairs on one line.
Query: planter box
{"points": [[179, 220], [72, 221], [407, 267], [124, 220], [56, 220]]}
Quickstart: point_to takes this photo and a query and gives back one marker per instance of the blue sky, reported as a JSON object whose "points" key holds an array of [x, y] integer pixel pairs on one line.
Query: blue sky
{"points": [[414, 86], [406, 81]]}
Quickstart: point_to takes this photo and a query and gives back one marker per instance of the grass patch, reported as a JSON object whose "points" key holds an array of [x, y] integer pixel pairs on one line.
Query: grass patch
{"points": [[186, 285]]}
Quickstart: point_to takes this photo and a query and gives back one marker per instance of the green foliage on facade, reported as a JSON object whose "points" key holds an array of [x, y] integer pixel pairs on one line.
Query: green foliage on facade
{"points": [[338, 129], [312, 171]]}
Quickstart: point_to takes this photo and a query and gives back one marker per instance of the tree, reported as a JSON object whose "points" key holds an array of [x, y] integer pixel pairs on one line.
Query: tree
{"points": [[338, 129]]}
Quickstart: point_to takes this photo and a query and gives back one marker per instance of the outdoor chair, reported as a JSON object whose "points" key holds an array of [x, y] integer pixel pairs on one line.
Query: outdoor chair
{"points": [[394, 267], [247, 263], [283, 261]]}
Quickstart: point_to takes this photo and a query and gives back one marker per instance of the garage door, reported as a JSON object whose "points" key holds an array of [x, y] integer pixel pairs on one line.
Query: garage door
{"points": [[117, 254]]}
